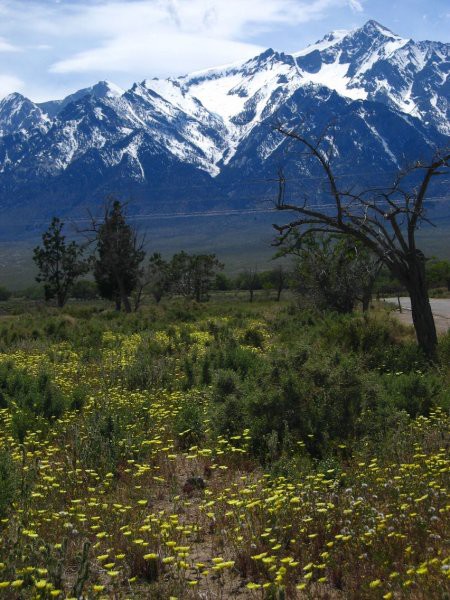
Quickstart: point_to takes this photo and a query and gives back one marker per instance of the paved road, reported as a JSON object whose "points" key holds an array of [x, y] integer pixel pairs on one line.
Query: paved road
{"points": [[439, 306]]}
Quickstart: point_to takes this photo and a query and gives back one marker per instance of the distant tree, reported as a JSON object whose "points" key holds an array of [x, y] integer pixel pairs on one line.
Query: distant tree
{"points": [[204, 268], [181, 274], [250, 280], [33, 292], [155, 278], [334, 273], [59, 263], [4, 294], [84, 290], [438, 273], [223, 283], [387, 285], [278, 278], [192, 275], [119, 255]]}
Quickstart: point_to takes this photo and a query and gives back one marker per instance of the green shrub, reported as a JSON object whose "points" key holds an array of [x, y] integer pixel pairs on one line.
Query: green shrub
{"points": [[4, 294], [189, 423], [253, 337], [414, 392], [444, 349], [29, 398], [229, 417], [8, 481], [101, 449], [78, 397], [150, 368], [226, 383], [84, 290], [34, 292]]}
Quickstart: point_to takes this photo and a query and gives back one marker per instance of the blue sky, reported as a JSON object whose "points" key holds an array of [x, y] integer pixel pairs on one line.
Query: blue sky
{"points": [[49, 48]]}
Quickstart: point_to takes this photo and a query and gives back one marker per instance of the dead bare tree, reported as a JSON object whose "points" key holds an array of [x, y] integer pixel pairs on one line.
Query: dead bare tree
{"points": [[384, 220]]}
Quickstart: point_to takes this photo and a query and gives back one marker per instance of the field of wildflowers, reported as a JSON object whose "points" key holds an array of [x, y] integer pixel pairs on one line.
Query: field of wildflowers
{"points": [[194, 453]]}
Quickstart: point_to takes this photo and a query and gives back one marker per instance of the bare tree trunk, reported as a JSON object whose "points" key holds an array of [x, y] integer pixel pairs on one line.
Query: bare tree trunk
{"points": [[61, 300], [279, 290], [118, 303], [126, 303], [423, 320], [123, 295], [422, 314], [366, 299], [251, 295], [138, 298]]}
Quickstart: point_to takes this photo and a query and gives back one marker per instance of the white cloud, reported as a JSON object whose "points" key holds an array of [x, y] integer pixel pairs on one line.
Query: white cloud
{"points": [[174, 36], [356, 5], [5, 46], [156, 54], [9, 84]]}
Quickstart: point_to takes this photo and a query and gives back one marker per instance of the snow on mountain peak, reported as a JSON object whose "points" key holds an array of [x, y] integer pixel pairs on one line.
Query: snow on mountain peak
{"points": [[13, 97], [327, 41], [106, 89], [19, 113], [205, 118], [373, 27]]}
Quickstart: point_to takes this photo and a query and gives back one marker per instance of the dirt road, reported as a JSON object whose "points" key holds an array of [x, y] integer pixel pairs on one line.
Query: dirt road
{"points": [[439, 306]]}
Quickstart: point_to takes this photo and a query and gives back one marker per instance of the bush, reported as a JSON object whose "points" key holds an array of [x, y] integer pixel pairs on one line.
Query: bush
{"points": [[444, 349], [253, 337], [8, 481], [226, 384], [4, 294], [413, 392], [29, 398], [189, 423], [375, 341], [150, 367], [34, 292], [84, 290], [78, 397], [101, 449]]}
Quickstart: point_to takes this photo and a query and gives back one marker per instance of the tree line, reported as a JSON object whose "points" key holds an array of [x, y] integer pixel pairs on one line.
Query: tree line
{"points": [[118, 264], [326, 271]]}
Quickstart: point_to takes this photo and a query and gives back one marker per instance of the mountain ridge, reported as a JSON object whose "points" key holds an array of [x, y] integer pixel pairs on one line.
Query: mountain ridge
{"points": [[215, 127]]}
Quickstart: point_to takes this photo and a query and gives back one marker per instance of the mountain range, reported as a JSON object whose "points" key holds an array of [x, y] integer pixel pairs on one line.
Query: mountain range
{"points": [[206, 141]]}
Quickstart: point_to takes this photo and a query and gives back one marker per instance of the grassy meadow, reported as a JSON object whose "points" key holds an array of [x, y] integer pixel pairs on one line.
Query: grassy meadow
{"points": [[223, 450]]}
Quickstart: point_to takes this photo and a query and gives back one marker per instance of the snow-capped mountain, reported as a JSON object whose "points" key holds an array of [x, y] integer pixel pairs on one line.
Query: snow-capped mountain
{"points": [[201, 139], [372, 63], [102, 89], [17, 113]]}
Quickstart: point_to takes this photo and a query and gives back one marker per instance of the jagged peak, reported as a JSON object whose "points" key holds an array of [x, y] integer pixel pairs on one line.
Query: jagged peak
{"points": [[331, 39], [266, 54], [107, 88], [371, 29], [269, 55], [374, 27], [336, 36], [15, 97]]}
